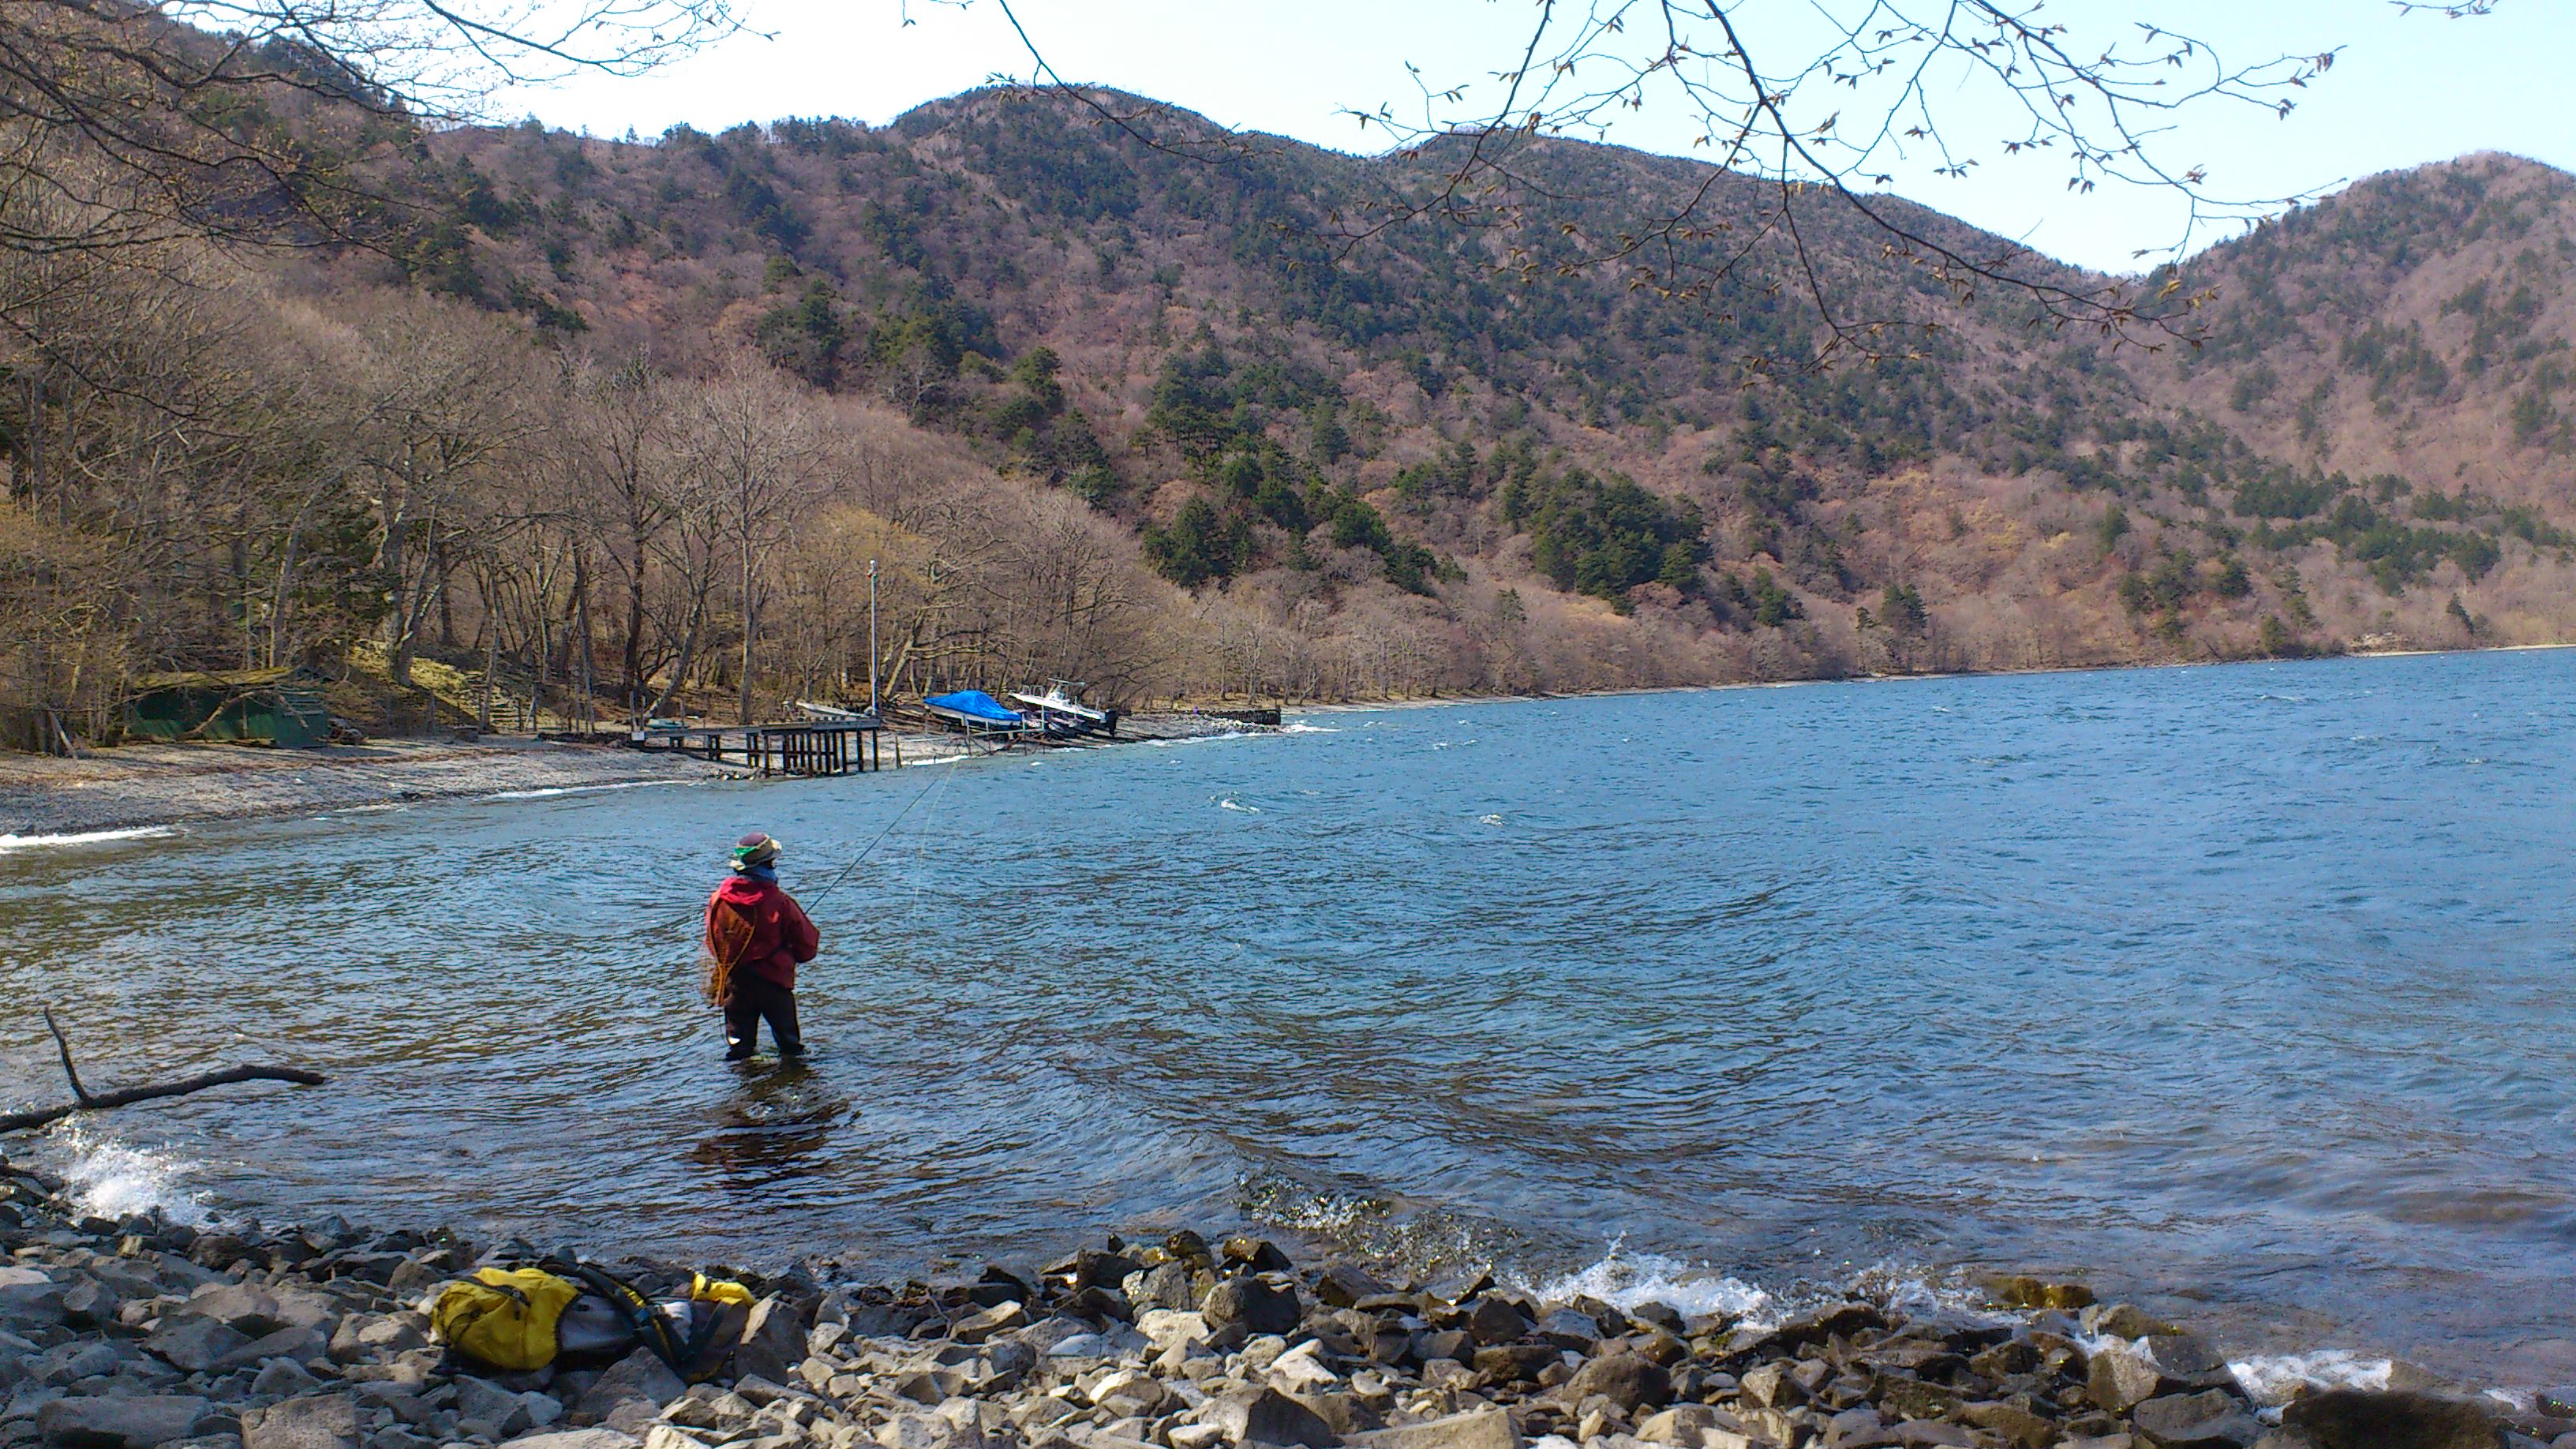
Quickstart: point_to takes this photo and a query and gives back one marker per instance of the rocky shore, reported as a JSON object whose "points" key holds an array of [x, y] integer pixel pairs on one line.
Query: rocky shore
{"points": [[140, 786], [143, 1334]]}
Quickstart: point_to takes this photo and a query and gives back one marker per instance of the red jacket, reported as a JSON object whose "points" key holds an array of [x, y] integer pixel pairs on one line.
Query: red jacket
{"points": [[779, 935]]}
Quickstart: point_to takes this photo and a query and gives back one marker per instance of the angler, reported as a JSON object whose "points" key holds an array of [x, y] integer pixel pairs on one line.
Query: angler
{"points": [[756, 936]]}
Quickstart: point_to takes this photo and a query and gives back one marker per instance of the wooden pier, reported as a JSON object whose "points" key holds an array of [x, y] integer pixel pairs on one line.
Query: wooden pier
{"points": [[824, 747]]}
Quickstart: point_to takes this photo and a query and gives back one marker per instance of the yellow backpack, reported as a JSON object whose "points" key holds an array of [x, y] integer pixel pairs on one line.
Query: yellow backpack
{"points": [[503, 1317]]}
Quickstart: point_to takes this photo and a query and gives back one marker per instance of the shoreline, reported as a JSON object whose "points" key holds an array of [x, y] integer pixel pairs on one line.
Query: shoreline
{"points": [[139, 788], [138, 1333], [142, 790]]}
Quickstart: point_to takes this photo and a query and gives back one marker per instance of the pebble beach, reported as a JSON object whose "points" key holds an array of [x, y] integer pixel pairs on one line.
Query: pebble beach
{"points": [[142, 1333]]}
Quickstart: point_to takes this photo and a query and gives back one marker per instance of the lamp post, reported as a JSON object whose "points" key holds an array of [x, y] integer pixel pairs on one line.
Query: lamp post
{"points": [[872, 636]]}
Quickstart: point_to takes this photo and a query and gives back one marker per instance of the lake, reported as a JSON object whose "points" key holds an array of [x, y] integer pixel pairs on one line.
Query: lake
{"points": [[2239, 990]]}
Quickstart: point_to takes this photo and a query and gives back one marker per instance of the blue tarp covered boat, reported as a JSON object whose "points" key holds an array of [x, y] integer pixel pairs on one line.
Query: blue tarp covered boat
{"points": [[975, 711]]}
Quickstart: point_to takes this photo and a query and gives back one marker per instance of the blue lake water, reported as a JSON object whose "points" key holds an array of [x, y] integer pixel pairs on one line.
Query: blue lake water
{"points": [[2241, 990]]}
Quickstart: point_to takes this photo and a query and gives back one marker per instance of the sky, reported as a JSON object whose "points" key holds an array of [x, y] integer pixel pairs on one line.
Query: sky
{"points": [[2405, 89]]}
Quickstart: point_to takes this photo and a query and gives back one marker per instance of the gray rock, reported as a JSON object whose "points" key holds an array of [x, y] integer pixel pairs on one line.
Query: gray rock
{"points": [[1630, 1381], [29, 1300], [999, 1319], [1267, 1416], [632, 1392], [1496, 1320], [1568, 1329], [298, 1345], [2119, 1379], [2015, 1424], [119, 1423], [2211, 1419], [247, 1310], [1341, 1286], [1861, 1428], [1259, 1305], [577, 1439], [773, 1341], [1166, 1286], [2361, 1419], [282, 1379], [71, 1362], [2121, 1320], [1769, 1386], [1681, 1425], [90, 1303], [318, 1421], [1487, 1428], [1507, 1363], [932, 1431], [1343, 1412], [492, 1411], [192, 1344]]}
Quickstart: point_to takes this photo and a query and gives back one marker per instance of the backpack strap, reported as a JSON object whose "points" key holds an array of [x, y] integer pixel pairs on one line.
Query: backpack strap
{"points": [[638, 1311]]}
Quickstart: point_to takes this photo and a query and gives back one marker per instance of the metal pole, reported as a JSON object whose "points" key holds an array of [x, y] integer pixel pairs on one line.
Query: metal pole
{"points": [[872, 636]]}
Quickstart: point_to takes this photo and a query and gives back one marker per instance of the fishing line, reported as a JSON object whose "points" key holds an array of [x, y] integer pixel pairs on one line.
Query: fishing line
{"points": [[861, 858], [926, 791]]}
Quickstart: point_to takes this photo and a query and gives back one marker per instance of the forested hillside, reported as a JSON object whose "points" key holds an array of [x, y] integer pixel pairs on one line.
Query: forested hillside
{"points": [[626, 420]]}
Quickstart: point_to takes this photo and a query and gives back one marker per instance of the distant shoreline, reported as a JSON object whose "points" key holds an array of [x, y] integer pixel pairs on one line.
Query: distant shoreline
{"points": [[47, 800], [121, 792]]}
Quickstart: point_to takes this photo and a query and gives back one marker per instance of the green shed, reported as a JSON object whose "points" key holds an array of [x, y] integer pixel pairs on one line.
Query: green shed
{"points": [[248, 706]]}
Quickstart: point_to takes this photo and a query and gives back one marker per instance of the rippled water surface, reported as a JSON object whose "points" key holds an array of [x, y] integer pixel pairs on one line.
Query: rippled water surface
{"points": [[2240, 988]]}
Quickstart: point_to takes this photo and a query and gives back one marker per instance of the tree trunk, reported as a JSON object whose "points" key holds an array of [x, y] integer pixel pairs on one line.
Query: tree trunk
{"points": [[632, 687], [750, 623]]}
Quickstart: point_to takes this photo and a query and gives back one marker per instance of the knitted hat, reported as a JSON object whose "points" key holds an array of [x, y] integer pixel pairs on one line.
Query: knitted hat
{"points": [[754, 849]]}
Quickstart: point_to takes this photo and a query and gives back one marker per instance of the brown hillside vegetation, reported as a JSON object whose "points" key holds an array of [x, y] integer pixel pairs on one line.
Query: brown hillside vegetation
{"points": [[630, 427]]}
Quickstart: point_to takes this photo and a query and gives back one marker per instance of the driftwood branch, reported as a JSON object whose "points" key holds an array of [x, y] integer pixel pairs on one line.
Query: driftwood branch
{"points": [[84, 1100]]}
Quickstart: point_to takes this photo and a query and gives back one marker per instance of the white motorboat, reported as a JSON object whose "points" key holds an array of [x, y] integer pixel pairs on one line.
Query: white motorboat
{"points": [[1061, 710]]}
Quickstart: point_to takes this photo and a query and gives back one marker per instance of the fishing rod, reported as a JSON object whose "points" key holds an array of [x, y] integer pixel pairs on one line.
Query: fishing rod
{"points": [[926, 791], [861, 858]]}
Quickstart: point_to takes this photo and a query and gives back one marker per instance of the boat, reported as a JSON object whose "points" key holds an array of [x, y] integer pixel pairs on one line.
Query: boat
{"points": [[835, 714], [975, 712], [1061, 712]]}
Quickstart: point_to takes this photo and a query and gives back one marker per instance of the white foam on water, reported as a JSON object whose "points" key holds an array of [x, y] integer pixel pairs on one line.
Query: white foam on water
{"points": [[1238, 807], [89, 837], [1300, 727], [110, 1179], [548, 792], [1489, 820], [1629, 1280], [2272, 1378]]}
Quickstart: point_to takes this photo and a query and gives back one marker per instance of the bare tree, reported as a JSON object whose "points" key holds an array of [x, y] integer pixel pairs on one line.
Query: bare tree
{"points": [[128, 122], [441, 394], [755, 446]]}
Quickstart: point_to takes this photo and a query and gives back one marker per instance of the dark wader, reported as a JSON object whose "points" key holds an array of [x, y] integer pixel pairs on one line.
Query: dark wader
{"points": [[756, 1000]]}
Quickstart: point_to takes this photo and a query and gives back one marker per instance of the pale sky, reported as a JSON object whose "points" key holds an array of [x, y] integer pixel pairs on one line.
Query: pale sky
{"points": [[2405, 89]]}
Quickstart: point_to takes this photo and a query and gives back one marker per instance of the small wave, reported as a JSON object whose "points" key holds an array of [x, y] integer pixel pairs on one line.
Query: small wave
{"points": [[1300, 727], [1628, 1281], [1237, 806], [1489, 820], [110, 1180], [89, 837], [2273, 1378], [548, 792]]}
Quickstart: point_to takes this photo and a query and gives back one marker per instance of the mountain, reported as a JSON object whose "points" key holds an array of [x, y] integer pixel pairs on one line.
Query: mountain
{"points": [[1233, 381], [1113, 394]]}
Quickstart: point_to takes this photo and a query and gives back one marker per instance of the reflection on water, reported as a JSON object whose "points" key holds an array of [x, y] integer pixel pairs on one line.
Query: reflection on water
{"points": [[774, 1128], [2240, 988]]}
